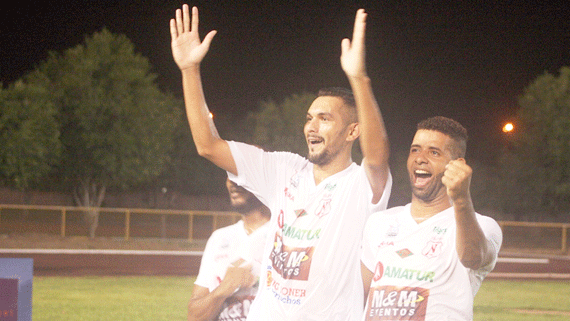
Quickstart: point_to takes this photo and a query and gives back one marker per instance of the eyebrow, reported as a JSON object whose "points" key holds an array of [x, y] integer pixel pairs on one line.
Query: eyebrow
{"points": [[321, 114], [429, 147]]}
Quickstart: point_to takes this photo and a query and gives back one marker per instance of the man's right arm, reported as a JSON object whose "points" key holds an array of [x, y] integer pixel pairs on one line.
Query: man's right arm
{"points": [[188, 52], [205, 305]]}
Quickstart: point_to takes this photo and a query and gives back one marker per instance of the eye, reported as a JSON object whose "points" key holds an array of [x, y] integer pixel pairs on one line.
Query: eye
{"points": [[434, 153]]}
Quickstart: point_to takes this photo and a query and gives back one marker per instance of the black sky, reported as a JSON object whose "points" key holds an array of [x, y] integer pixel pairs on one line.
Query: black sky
{"points": [[468, 60]]}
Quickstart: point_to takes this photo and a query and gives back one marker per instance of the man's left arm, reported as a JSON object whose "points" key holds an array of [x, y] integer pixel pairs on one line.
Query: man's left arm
{"points": [[473, 248], [373, 137]]}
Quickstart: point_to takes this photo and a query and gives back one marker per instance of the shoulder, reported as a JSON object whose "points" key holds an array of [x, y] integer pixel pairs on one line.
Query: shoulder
{"points": [[380, 217], [487, 222], [254, 151], [227, 231], [491, 229], [390, 212]]}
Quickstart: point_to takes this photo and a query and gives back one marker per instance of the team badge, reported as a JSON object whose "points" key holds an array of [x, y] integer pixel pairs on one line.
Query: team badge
{"points": [[432, 248], [324, 207]]}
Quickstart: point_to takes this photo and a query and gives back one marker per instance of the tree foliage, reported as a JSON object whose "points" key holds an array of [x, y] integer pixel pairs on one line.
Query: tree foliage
{"points": [[536, 171], [29, 135], [116, 125], [278, 126]]}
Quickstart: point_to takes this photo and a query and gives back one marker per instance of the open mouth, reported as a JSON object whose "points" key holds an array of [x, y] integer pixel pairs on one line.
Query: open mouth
{"points": [[421, 177], [312, 141]]}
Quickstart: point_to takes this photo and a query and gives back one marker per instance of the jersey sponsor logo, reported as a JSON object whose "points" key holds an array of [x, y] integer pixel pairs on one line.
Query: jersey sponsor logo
{"points": [[285, 291], [221, 257], [330, 187], [439, 230], [393, 231], [384, 244], [235, 308], [432, 248], [269, 277], [301, 234], [390, 303], [288, 194], [378, 272], [291, 262], [281, 219], [294, 180], [300, 213], [408, 274], [404, 253]]}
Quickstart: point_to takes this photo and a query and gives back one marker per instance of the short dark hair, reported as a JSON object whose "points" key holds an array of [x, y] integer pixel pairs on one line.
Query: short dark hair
{"points": [[340, 92], [450, 128], [346, 96]]}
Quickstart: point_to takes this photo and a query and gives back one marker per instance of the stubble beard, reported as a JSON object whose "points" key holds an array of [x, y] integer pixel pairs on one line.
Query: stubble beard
{"points": [[321, 158], [247, 206]]}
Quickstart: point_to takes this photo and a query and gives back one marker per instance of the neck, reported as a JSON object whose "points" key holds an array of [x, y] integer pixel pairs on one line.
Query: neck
{"points": [[255, 218], [321, 172], [422, 210]]}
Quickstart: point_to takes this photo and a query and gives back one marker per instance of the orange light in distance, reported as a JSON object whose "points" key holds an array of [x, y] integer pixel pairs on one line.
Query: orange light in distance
{"points": [[509, 127]]}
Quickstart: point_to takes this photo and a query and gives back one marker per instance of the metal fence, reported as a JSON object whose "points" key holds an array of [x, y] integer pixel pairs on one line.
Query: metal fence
{"points": [[129, 215], [539, 236]]}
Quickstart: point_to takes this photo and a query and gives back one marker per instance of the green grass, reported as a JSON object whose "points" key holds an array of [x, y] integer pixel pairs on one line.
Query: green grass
{"points": [[165, 298], [541, 300], [111, 298]]}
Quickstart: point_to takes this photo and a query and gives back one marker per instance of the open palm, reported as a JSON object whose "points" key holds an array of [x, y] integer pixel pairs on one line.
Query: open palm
{"points": [[187, 49], [352, 58]]}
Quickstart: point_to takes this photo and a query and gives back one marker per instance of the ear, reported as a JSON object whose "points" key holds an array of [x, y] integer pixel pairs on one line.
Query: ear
{"points": [[353, 132]]}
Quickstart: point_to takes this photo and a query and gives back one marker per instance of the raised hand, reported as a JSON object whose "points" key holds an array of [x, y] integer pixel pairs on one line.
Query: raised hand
{"points": [[187, 49], [353, 54], [457, 178]]}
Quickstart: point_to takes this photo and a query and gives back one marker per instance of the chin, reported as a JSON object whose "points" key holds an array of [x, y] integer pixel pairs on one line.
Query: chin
{"points": [[319, 159]]}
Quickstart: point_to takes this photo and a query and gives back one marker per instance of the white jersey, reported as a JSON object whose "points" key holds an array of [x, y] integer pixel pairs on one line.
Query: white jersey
{"points": [[311, 266], [417, 272], [225, 246]]}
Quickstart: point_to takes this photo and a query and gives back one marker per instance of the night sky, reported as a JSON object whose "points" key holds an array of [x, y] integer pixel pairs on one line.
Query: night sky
{"points": [[468, 60]]}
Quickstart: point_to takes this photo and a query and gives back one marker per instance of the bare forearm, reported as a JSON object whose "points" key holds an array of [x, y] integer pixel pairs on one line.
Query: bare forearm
{"points": [[471, 242], [207, 307], [373, 137], [203, 130], [206, 138]]}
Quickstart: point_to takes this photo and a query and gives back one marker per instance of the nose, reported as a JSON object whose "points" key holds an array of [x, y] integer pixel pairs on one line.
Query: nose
{"points": [[420, 158], [311, 125]]}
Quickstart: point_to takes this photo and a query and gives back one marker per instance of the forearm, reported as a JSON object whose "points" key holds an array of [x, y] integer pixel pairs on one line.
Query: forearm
{"points": [[203, 130], [373, 137], [204, 133], [471, 243], [207, 307]]}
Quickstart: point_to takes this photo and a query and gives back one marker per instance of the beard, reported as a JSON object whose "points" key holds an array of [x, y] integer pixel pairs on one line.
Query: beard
{"points": [[247, 205], [321, 158]]}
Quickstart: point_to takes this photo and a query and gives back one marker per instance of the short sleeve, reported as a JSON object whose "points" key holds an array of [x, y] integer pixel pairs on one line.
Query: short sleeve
{"points": [[206, 275], [368, 256]]}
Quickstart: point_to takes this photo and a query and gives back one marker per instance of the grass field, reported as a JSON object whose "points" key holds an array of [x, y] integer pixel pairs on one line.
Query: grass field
{"points": [[165, 298], [522, 301]]}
